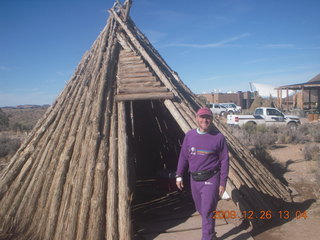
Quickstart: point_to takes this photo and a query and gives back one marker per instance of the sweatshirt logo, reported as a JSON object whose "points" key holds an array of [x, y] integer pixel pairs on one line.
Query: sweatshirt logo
{"points": [[194, 151]]}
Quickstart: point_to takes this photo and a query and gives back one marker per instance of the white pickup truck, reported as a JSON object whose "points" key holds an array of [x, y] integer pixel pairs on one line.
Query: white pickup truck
{"points": [[264, 115]]}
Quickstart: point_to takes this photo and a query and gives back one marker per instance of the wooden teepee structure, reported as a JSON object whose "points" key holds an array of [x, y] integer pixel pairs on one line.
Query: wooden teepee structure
{"points": [[122, 114]]}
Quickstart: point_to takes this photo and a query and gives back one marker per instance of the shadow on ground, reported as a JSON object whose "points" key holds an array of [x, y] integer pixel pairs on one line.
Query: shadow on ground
{"points": [[163, 210]]}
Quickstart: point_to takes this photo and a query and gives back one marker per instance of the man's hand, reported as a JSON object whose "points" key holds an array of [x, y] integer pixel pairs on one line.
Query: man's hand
{"points": [[179, 183], [221, 191]]}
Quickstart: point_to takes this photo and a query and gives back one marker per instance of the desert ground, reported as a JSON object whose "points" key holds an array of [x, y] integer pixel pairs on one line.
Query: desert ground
{"points": [[302, 177]]}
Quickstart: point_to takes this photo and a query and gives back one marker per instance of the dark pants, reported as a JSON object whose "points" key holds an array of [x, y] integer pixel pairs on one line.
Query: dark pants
{"points": [[205, 195]]}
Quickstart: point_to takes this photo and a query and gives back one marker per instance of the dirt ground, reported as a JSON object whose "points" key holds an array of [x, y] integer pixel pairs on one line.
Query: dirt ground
{"points": [[302, 178]]}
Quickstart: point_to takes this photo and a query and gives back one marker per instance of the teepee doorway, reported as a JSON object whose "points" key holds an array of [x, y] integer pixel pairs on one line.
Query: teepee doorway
{"points": [[154, 141]]}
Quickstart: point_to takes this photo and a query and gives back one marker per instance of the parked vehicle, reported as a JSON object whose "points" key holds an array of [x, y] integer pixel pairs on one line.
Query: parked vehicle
{"points": [[264, 115], [216, 108], [231, 108]]}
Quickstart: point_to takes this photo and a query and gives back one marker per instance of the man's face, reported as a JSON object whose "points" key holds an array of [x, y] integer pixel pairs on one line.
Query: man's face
{"points": [[204, 122]]}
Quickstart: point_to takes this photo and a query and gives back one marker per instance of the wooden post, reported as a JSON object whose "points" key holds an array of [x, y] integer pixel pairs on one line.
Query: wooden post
{"points": [[112, 196], [287, 98], [309, 99], [302, 99], [294, 103], [124, 222], [280, 102]]}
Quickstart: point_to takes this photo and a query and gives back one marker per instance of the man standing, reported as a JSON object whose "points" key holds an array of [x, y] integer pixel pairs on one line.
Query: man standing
{"points": [[204, 151]]}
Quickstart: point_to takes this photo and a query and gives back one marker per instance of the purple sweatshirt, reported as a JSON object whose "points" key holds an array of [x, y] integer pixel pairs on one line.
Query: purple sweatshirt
{"points": [[204, 152]]}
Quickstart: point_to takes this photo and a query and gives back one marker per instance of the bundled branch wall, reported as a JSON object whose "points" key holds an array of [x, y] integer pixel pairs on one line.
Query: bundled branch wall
{"points": [[55, 187]]}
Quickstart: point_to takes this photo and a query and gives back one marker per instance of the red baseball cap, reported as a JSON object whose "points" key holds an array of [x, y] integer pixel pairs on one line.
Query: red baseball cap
{"points": [[204, 111]]}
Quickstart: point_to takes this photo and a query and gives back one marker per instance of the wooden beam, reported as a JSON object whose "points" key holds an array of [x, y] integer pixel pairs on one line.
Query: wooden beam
{"points": [[139, 85], [133, 70], [137, 80], [132, 56], [184, 125], [144, 96], [132, 65], [126, 52], [130, 60], [135, 74], [130, 90]]}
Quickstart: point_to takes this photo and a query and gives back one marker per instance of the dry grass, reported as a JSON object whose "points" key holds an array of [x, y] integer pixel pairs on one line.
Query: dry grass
{"points": [[311, 152], [264, 137], [9, 144], [14, 123], [260, 137]]}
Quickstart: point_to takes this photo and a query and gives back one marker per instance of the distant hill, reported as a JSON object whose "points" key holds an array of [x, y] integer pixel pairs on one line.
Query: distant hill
{"points": [[26, 106], [24, 117]]}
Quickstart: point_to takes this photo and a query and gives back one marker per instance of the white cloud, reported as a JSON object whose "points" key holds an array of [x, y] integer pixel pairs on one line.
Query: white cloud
{"points": [[278, 46], [211, 45], [155, 36]]}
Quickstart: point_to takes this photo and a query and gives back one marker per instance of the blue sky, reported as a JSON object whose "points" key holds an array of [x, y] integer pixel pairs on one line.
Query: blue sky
{"points": [[212, 44]]}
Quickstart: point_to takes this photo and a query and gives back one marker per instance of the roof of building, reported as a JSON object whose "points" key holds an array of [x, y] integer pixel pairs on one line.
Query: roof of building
{"points": [[312, 83]]}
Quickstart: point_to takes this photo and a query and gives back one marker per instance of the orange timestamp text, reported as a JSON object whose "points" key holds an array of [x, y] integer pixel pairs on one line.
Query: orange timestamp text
{"points": [[265, 215]]}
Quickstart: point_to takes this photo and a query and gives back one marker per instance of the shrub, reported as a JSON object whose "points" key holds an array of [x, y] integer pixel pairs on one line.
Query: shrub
{"points": [[20, 127], [264, 136], [314, 131], [287, 136], [8, 146], [311, 151], [259, 136]]}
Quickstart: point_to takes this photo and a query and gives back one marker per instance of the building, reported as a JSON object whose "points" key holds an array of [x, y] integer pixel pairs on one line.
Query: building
{"points": [[243, 99], [306, 97]]}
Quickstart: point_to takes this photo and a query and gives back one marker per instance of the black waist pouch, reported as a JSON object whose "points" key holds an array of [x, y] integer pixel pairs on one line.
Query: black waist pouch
{"points": [[203, 175]]}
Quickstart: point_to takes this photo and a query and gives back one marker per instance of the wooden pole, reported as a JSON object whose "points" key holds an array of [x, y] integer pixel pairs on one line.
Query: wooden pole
{"points": [[112, 195], [127, 6], [184, 125], [125, 228]]}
